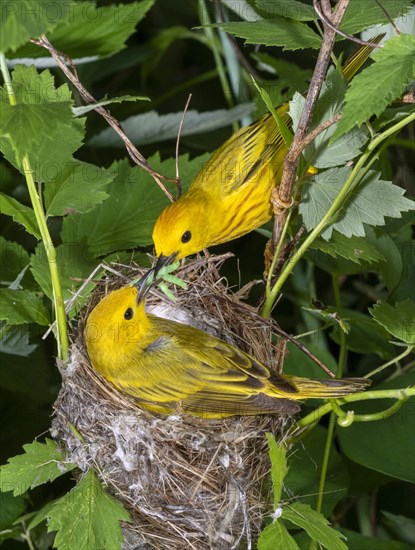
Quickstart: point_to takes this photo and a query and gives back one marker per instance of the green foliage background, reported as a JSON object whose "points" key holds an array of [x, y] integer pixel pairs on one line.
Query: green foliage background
{"points": [[352, 292]]}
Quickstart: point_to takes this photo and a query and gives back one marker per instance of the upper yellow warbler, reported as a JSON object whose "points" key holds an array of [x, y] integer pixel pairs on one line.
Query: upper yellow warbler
{"points": [[169, 367], [231, 194]]}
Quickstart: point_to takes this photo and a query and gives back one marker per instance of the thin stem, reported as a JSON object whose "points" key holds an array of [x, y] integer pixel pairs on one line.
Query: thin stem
{"points": [[334, 414], [334, 209], [396, 359], [325, 461], [266, 310], [62, 336], [58, 301], [343, 348], [315, 415]]}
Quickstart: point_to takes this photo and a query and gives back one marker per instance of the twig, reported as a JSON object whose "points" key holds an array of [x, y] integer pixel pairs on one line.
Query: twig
{"points": [[311, 136], [282, 195], [389, 18], [179, 133], [71, 74], [320, 12]]}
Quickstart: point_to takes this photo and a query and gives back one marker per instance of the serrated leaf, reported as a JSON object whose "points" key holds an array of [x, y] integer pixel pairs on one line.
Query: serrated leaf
{"points": [[356, 249], [399, 319], [279, 31], [90, 30], [22, 306], [321, 153], [79, 111], [369, 204], [315, 524], [87, 517], [24, 19], [78, 187], [40, 463], [126, 218], [377, 86], [41, 125], [275, 535], [359, 15], [291, 9], [151, 127], [20, 213], [279, 468]]}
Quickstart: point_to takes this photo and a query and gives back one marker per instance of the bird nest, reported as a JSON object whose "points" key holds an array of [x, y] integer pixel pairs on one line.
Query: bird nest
{"points": [[187, 482]]}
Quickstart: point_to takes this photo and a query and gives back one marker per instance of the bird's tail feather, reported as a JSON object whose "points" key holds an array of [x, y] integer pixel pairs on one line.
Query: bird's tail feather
{"points": [[335, 387]]}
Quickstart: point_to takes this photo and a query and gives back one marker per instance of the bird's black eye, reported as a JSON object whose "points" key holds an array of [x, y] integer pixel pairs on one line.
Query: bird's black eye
{"points": [[128, 314], [186, 237]]}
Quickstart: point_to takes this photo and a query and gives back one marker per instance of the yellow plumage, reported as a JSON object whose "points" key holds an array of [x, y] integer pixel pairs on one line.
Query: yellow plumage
{"points": [[169, 367], [231, 194]]}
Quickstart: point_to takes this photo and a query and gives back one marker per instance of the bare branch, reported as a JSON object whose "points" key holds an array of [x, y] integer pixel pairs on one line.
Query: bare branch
{"points": [[68, 68]]}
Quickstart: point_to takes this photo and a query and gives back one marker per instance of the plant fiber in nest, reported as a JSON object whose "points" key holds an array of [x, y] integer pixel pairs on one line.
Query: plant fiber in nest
{"points": [[187, 482]]}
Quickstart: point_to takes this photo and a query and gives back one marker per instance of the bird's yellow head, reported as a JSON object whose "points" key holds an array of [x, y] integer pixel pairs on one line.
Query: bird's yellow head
{"points": [[181, 229], [115, 327]]}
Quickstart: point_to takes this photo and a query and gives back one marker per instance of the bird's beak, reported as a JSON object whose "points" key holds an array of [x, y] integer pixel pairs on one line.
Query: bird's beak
{"points": [[162, 261], [145, 283]]}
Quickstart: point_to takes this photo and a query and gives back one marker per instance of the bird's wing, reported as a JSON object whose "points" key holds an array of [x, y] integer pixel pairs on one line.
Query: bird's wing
{"points": [[206, 376], [237, 160]]}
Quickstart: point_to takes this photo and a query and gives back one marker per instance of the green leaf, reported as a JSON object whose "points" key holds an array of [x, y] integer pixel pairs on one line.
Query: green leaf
{"points": [[279, 468], [370, 203], [315, 524], [276, 537], [127, 217], [365, 336], [79, 111], [15, 340], [302, 480], [298, 364], [41, 125], [24, 19], [90, 30], [151, 127], [359, 15], [404, 283], [22, 306], [400, 526], [386, 445], [13, 259], [399, 320], [292, 9], [287, 33], [75, 265], [87, 518], [378, 85], [78, 187], [321, 153], [11, 509], [20, 213], [356, 541], [356, 249], [40, 463]]}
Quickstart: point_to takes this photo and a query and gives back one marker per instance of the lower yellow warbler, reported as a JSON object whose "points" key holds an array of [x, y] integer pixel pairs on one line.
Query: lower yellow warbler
{"points": [[169, 367], [231, 194]]}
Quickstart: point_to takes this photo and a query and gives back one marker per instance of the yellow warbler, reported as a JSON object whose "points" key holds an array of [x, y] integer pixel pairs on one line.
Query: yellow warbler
{"points": [[231, 194], [169, 367]]}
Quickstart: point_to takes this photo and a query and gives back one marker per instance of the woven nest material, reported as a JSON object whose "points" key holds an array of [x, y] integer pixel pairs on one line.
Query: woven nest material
{"points": [[187, 482]]}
